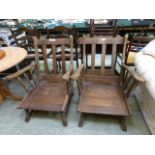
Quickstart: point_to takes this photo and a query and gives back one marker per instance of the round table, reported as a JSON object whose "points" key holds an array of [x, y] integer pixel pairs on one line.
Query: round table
{"points": [[13, 56]]}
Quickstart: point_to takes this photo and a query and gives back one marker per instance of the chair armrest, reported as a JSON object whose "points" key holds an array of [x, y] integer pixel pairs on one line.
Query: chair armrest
{"points": [[19, 72], [134, 74], [67, 75], [77, 74]]}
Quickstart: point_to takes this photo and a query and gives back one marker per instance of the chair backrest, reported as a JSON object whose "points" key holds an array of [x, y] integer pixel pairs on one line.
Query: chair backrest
{"points": [[58, 32], [3, 43], [51, 44], [32, 32], [23, 37], [142, 39], [104, 42], [103, 30], [20, 37]]}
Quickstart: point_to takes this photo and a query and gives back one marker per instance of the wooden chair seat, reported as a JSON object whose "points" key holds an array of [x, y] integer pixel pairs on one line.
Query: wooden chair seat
{"points": [[103, 96], [49, 95]]}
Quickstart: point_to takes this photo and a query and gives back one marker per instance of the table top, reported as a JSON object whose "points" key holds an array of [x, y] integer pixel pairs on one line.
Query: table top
{"points": [[13, 56]]}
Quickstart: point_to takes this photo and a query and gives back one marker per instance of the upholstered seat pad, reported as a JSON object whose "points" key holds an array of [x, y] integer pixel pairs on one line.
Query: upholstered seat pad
{"points": [[47, 96], [103, 98], [131, 58]]}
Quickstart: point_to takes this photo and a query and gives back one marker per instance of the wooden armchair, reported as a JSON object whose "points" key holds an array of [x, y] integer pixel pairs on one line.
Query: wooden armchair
{"points": [[102, 91], [53, 91]]}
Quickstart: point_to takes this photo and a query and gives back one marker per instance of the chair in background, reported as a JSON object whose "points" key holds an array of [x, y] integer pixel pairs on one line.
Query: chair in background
{"points": [[24, 38], [53, 90], [104, 30], [58, 32], [19, 37], [102, 91], [142, 39], [131, 50], [136, 44], [3, 43], [64, 32]]}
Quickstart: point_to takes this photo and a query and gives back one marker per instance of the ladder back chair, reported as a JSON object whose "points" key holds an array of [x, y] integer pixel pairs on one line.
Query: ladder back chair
{"points": [[53, 90], [101, 90], [24, 38]]}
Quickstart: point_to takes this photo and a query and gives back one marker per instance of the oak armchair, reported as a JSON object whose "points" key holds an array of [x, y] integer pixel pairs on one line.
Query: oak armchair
{"points": [[102, 91], [53, 90]]}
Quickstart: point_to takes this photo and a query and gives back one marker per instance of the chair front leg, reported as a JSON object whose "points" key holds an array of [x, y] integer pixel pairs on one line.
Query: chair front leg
{"points": [[64, 118], [124, 123], [27, 115], [81, 120]]}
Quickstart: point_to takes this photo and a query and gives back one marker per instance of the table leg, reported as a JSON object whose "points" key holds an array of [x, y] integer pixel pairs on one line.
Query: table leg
{"points": [[5, 92]]}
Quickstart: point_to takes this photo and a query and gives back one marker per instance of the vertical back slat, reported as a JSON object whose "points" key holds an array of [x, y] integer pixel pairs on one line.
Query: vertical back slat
{"points": [[103, 56], [63, 59], [84, 53], [36, 55], [71, 47], [113, 58], [93, 52], [54, 59], [124, 48], [45, 59]]}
